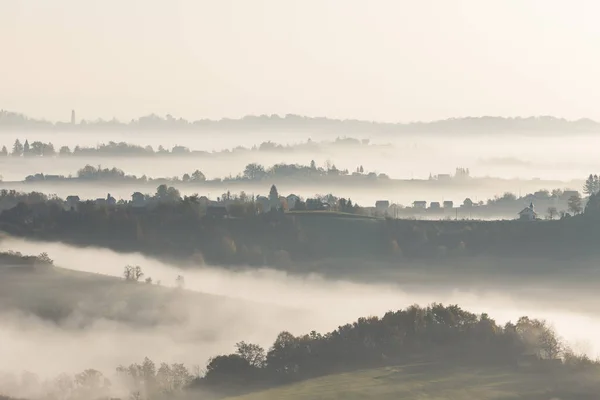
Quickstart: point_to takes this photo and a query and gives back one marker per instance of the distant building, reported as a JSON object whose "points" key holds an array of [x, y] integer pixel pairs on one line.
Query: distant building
{"points": [[444, 177], [528, 213], [382, 205], [111, 201], [203, 201], [420, 204], [435, 205], [292, 199], [73, 202], [448, 204], [73, 120], [138, 199], [263, 203]]}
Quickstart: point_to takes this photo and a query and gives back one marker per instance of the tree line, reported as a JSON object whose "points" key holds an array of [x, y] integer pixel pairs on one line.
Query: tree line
{"points": [[42, 149], [252, 172]]}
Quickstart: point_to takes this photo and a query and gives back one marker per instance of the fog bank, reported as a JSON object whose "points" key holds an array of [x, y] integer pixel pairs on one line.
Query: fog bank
{"points": [[275, 302]]}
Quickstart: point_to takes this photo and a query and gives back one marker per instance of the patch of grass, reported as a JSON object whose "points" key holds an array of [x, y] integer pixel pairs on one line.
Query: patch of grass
{"points": [[433, 382]]}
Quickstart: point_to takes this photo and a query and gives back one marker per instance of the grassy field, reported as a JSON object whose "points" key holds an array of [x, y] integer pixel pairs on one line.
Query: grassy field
{"points": [[435, 382], [55, 294]]}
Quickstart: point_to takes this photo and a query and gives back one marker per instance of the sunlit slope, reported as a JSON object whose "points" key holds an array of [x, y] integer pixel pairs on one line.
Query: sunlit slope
{"points": [[56, 294], [435, 382]]}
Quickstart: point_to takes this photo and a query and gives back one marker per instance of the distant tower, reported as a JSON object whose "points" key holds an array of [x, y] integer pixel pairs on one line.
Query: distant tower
{"points": [[531, 206], [72, 117]]}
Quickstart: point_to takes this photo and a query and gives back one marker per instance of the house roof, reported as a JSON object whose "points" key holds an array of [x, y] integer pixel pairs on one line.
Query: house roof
{"points": [[527, 210]]}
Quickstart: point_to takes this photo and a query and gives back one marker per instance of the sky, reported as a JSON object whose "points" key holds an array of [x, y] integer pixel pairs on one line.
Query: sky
{"points": [[384, 60]]}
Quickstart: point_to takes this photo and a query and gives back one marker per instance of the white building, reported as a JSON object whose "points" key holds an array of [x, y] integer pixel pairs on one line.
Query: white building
{"points": [[528, 213], [292, 199]]}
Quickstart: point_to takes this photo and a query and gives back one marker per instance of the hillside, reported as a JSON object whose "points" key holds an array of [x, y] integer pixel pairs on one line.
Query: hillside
{"points": [[292, 123], [58, 294], [424, 381]]}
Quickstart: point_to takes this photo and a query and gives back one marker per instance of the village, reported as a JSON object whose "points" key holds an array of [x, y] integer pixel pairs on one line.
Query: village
{"points": [[539, 205]]}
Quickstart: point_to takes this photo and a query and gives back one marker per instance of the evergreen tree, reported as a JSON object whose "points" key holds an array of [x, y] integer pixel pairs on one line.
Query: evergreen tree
{"points": [[17, 149], [589, 186], [4, 151], [274, 197]]}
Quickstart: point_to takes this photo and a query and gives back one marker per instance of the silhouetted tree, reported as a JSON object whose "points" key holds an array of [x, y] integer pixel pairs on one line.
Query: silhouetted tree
{"points": [[198, 176], [17, 149], [26, 149], [274, 197], [575, 204]]}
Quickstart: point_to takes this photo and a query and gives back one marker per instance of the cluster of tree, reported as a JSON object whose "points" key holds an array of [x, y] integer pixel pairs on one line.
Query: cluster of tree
{"points": [[144, 381], [26, 149], [11, 198], [17, 258], [135, 274], [252, 172], [449, 334], [292, 123], [256, 171], [115, 149]]}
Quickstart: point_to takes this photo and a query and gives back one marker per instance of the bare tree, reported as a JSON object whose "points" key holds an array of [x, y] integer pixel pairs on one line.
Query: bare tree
{"points": [[137, 273], [128, 272], [552, 212], [131, 273]]}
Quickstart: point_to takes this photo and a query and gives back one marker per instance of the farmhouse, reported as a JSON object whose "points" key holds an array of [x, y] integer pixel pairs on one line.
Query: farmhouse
{"points": [[528, 213]]}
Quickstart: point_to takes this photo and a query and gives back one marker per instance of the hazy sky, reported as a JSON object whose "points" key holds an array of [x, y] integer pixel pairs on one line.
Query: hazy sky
{"points": [[390, 60]]}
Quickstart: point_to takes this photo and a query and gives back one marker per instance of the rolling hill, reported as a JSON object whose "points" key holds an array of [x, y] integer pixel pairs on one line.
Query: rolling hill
{"points": [[59, 294], [427, 381]]}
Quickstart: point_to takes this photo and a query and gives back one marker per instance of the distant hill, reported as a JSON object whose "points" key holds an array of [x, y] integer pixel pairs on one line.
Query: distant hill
{"points": [[10, 121]]}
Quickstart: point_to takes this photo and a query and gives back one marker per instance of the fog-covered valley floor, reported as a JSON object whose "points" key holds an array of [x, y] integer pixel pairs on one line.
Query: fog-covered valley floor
{"points": [[402, 156], [254, 305], [525, 163]]}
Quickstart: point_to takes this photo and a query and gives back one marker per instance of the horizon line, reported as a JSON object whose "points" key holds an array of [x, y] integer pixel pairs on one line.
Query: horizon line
{"points": [[299, 116]]}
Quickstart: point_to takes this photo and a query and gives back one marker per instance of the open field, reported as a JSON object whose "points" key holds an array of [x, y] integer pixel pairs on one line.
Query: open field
{"points": [[59, 294], [425, 381]]}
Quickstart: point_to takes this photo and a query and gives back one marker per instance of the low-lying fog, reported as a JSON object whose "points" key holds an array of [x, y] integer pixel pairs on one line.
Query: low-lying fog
{"points": [[408, 156], [309, 303]]}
